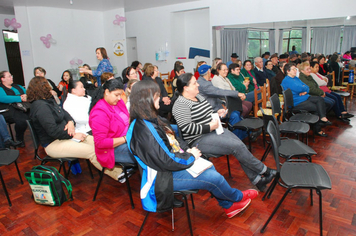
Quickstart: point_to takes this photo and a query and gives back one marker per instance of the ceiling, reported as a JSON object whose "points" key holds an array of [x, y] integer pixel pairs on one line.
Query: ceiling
{"points": [[7, 6]]}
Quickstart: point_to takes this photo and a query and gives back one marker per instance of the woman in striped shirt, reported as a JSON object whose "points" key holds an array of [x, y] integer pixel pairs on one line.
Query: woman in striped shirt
{"points": [[193, 115]]}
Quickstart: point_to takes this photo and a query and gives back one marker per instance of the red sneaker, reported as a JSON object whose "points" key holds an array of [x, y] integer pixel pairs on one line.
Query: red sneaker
{"points": [[237, 207], [249, 194]]}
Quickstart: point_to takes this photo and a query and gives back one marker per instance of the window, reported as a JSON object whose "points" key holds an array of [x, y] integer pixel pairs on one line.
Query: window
{"points": [[258, 43], [292, 38]]}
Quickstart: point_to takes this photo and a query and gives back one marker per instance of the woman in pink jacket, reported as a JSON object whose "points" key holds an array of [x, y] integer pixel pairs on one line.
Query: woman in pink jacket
{"points": [[109, 121]]}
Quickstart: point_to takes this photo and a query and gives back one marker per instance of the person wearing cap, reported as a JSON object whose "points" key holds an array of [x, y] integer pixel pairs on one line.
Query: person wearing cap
{"points": [[283, 57], [234, 57], [274, 59], [260, 73], [293, 57]]}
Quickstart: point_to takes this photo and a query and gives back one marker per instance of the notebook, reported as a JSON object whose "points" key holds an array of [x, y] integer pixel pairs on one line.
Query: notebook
{"points": [[199, 166]]}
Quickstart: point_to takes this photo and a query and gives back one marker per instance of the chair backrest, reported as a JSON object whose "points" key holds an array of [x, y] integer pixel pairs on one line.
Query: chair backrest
{"points": [[168, 86], [272, 131], [345, 74], [270, 118], [262, 100], [268, 90], [34, 136], [233, 104], [275, 104], [288, 101], [164, 75], [64, 94]]}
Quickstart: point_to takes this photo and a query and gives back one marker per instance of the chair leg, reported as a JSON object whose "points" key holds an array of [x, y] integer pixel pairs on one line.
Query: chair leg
{"points": [[188, 215], [264, 137], [70, 164], [143, 223], [265, 154], [129, 188], [274, 211], [311, 197], [5, 190], [273, 187], [228, 165], [270, 188], [12, 133], [90, 171], [63, 164], [18, 172], [172, 219], [192, 200], [249, 141], [320, 212], [98, 186]]}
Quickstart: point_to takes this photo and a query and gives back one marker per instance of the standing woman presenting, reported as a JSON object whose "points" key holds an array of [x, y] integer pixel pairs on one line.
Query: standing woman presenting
{"points": [[104, 65]]}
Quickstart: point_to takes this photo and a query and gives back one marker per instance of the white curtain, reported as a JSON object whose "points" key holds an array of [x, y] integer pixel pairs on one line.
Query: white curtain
{"points": [[234, 40], [272, 41], [304, 40], [349, 38], [326, 40], [280, 41]]}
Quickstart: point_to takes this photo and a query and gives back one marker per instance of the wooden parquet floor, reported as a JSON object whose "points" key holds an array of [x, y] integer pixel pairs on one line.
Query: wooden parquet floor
{"points": [[111, 213]]}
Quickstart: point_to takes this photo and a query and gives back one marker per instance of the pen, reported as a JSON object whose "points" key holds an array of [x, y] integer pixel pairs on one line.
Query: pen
{"points": [[197, 145]]}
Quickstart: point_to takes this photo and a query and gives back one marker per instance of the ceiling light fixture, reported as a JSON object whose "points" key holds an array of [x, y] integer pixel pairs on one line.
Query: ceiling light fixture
{"points": [[348, 18], [71, 2]]}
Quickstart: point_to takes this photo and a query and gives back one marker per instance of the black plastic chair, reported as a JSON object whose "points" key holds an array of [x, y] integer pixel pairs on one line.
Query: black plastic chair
{"points": [[7, 157], [124, 167], [288, 127], [184, 194], [61, 161], [247, 124], [302, 116], [288, 148], [296, 174]]}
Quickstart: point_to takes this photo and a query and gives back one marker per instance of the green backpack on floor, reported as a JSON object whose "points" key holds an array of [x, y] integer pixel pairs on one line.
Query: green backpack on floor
{"points": [[46, 185]]}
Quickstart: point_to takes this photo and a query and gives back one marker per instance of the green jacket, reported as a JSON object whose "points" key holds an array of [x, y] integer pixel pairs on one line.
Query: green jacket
{"points": [[237, 82], [246, 74], [313, 86]]}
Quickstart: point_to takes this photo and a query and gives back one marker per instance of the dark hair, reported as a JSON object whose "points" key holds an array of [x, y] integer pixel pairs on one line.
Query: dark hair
{"points": [[287, 67], [142, 100], [313, 63], [2, 74], [267, 62], [135, 64], [334, 57], [246, 62], [40, 69], [72, 85], [353, 55], [280, 64], [125, 73], [293, 47], [183, 80], [103, 52], [38, 89], [218, 67], [87, 66], [321, 57], [111, 85], [178, 68], [70, 76], [177, 63], [150, 70], [233, 66], [297, 61]]}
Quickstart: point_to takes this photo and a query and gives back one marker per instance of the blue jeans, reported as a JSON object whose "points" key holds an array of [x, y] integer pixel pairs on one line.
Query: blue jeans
{"points": [[4, 134], [233, 119], [329, 103], [250, 96], [122, 154], [228, 144], [209, 180], [339, 105]]}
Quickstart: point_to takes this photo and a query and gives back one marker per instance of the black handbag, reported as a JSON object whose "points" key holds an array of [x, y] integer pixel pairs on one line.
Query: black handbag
{"points": [[22, 106]]}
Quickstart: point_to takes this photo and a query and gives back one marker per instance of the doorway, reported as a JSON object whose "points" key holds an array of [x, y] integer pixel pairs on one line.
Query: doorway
{"points": [[131, 44], [12, 48]]}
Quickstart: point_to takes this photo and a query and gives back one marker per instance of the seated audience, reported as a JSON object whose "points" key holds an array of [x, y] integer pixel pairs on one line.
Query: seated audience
{"points": [[322, 82], [39, 71], [193, 115], [56, 128], [65, 79], [128, 74], [138, 68], [164, 158], [283, 57], [277, 80], [301, 98], [334, 66], [172, 74], [248, 72], [323, 67], [165, 106], [314, 89], [11, 93], [128, 92], [265, 57], [196, 73], [352, 63], [109, 121], [216, 61], [347, 56], [241, 84], [274, 59], [261, 75], [177, 71], [223, 82]]}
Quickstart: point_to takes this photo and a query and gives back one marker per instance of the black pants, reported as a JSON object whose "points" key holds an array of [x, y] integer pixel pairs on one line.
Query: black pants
{"points": [[313, 104], [19, 118]]}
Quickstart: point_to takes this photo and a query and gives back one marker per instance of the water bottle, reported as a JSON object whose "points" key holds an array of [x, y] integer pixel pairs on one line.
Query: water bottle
{"points": [[351, 77]]}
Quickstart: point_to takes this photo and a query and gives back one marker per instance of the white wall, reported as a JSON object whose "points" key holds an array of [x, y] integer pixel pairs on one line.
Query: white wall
{"points": [[78, 33], [3, 61]]}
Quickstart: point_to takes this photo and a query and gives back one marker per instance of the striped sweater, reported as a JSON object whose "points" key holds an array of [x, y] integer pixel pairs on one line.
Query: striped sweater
{"points": [[192, 117]]}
